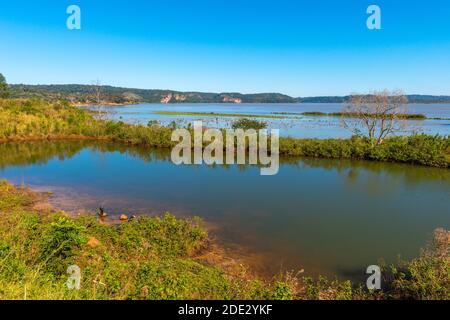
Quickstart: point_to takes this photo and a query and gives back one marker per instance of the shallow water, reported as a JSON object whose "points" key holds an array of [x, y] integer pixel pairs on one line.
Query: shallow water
{"points": [[295, 126], [326, 216]]}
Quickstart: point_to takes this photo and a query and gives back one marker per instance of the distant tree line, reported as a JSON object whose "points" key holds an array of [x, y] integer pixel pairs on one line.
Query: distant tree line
{"points": [[90, 94]]}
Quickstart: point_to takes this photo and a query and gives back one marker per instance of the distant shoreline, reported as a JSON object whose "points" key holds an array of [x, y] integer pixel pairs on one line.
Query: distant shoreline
{"points": [[117, 96]]}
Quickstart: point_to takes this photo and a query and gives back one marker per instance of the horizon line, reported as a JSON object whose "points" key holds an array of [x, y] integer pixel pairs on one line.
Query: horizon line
{"points": [[223, 92]]}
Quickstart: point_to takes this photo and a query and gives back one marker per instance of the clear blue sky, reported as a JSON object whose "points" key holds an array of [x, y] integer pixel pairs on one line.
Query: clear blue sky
{"points": [[300, 48]]}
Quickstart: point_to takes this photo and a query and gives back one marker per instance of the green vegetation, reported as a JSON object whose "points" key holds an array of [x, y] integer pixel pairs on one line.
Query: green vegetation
{"points": [[419, 149], [427, 277], [37, 120], [4, 90], [162, 258], [405, 116], [147, 258], [213, 114], [87, 94], [413, 98], [248, 124], [350, 115]]}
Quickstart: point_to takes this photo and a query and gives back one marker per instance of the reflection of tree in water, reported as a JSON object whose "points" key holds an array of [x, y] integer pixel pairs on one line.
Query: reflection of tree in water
{"points": [[26, 153], [386, 173], [40, 152]]}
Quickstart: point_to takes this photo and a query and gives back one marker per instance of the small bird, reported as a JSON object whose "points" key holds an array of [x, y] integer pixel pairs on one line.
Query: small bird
{"points": [[132, 218], [101, 212]]}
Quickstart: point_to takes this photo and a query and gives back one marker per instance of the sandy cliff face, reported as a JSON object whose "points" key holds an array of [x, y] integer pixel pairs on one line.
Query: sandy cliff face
{"points": [[231, 100], [166, 99]]}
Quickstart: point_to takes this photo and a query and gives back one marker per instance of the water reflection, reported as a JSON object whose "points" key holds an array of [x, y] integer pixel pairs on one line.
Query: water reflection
{"points": [[327, 216]]}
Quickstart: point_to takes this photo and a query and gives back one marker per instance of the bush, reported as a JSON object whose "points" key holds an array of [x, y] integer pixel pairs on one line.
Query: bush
{"points": [[246, 124], [427, 277], [60, 241]]}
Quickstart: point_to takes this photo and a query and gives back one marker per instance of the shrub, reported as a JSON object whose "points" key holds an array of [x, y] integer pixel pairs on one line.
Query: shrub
{"points": [[426, 277], [246, 124], [60, 241]]}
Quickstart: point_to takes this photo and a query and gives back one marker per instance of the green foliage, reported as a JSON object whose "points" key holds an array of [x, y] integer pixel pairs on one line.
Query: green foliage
{"points": [[180, 279], [84, 94], [153, 123], [358, 115], [4, 89], [426, 277], [214, 114], [61, 239], [418, 149], [325, 289], [156, 258], [282, 291], [246, 124], [36, 119]]}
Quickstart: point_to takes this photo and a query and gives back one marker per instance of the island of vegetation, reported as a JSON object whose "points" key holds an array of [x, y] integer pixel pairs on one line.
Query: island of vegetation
{"points": [[215, 114]]}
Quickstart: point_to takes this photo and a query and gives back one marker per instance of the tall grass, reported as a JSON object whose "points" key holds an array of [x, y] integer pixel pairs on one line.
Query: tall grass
{"points": [[35, 119]]}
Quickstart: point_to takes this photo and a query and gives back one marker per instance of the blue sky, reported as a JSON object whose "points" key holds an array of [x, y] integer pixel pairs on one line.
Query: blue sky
{"points": [[301, 48]]}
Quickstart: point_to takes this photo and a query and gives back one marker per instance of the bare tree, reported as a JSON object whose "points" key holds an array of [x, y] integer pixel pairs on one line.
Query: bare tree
{"points": [[97, 93], [376, 115]]}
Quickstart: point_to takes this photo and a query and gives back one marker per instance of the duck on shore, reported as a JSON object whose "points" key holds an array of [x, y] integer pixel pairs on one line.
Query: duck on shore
{"points": [[101, 212]]}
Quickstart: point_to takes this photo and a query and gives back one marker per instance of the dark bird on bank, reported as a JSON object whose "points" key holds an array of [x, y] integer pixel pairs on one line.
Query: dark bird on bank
{"points": [[101, 212]]}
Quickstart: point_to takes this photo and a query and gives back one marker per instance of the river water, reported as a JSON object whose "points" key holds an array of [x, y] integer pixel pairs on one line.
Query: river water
{"points": [[325, 216]]}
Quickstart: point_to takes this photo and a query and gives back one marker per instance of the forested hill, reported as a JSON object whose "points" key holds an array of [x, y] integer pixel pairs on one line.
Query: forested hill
{"points": [[91, 94], [87, 94]]}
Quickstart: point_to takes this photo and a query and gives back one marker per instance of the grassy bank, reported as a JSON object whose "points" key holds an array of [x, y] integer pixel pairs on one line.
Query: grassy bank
{"points": [[214, 114], [148, 258], [35, 119], [161, 258], [405, 116]]}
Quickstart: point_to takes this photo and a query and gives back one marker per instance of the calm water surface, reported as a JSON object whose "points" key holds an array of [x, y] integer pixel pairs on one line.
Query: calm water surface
{"points": [[300, 127], [326, 216]]}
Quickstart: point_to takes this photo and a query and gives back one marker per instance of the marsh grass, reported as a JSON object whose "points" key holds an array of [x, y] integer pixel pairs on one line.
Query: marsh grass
{"points": [[215, 114], [38, 120], [404, 116]]}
